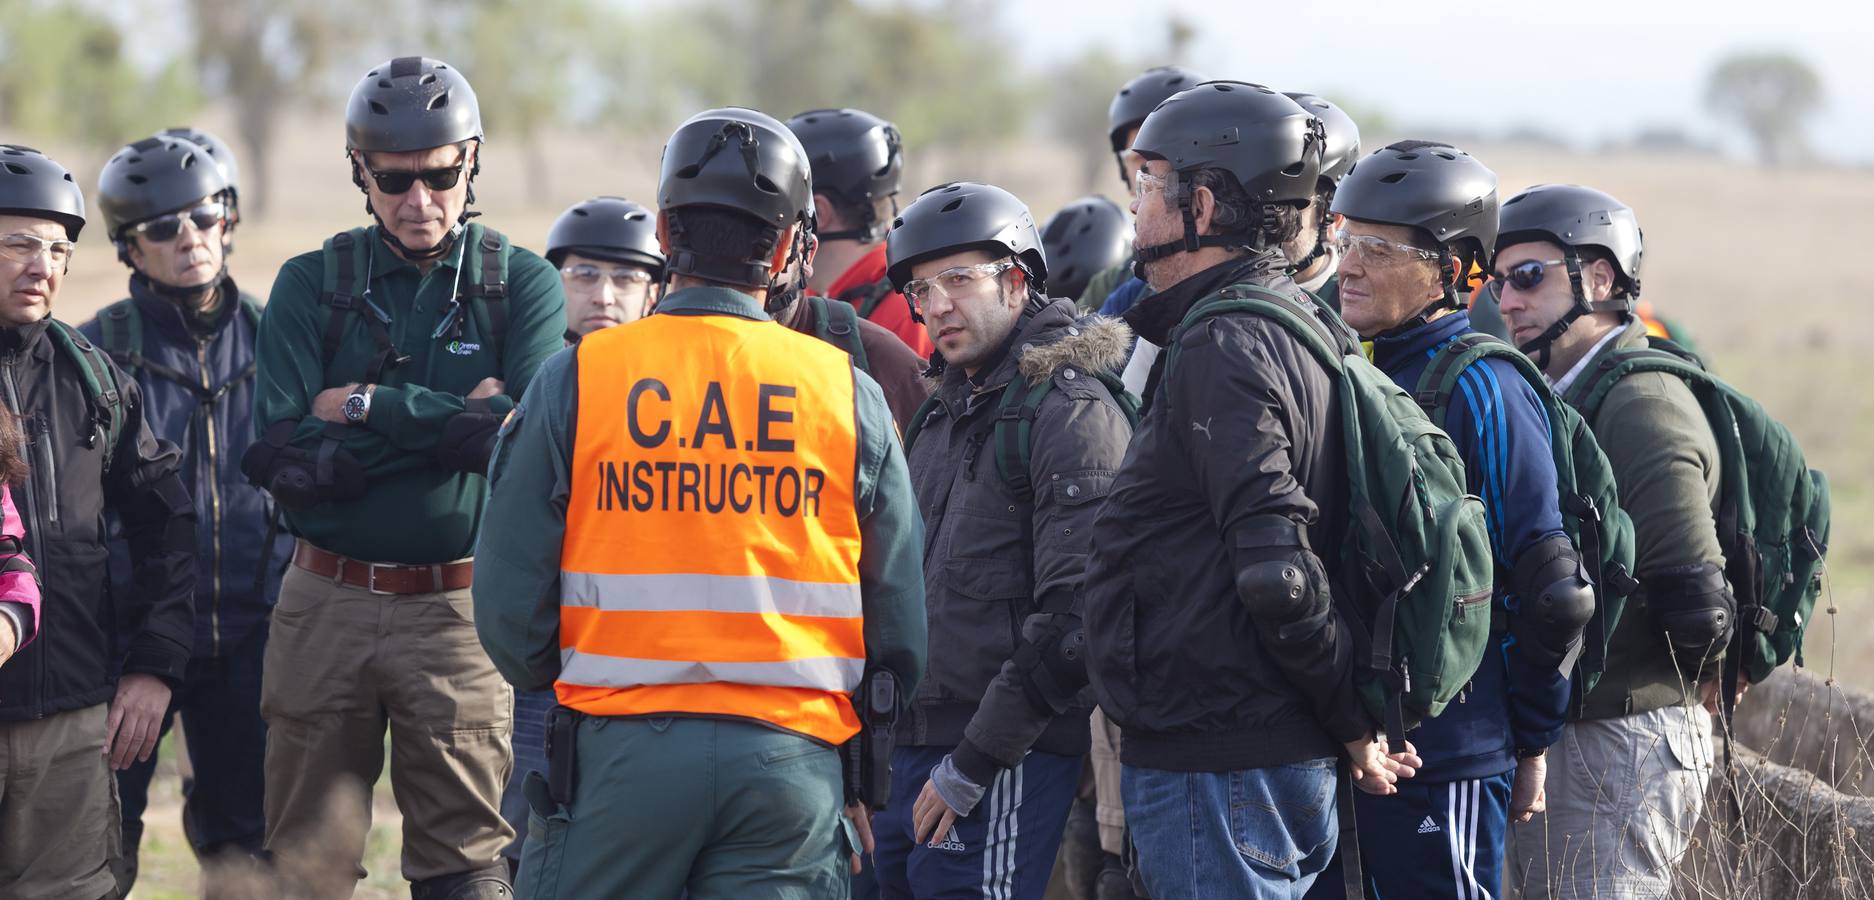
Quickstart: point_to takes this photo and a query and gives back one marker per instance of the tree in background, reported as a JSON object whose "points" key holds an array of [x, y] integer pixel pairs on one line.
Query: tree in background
{"points": [[65, 75], [1772, 95]]}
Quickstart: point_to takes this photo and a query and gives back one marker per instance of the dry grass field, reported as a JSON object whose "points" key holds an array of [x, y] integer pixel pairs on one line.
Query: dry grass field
{"points": [[1765, 267]]}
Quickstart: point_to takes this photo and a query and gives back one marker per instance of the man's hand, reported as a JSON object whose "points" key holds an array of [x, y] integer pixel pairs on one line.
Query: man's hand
{"points": [[1709, 690], [489, 387], [1527, 795], [1378, 772], [862, 820], [9, 640], [930, 815], [136, 719], [329, 405]]}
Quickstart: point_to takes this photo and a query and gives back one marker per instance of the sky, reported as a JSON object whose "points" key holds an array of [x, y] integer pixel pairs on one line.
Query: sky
{"points": [[1586, 71]]}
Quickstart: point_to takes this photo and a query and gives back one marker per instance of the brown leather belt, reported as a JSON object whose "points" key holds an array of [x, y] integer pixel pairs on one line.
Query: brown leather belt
{"points": [[380, 578]]}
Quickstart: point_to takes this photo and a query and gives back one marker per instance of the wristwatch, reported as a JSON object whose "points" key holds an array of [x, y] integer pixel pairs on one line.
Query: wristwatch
{"points": [[358, 405]]}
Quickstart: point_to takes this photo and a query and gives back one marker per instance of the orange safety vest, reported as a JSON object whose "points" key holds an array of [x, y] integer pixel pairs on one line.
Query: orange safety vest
{"points": [[711, 558]]}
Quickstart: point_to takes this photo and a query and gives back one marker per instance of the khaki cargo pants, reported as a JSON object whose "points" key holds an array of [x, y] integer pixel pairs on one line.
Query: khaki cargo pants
{"points": [[60, 827], [342, 663]]}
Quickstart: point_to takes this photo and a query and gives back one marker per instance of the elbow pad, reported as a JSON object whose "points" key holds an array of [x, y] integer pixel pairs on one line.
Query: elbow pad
{"points": [[1054, 667], [1693, 607], [1281, 581], [298, 478], [468, 440], [1554, 601]]}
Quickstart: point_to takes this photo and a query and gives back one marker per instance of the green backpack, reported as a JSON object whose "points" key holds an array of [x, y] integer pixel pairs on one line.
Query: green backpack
{"points": [[103, 394], [837, 323], [1590, 500], [1773, 510], [866, 299], [1416, 561]]}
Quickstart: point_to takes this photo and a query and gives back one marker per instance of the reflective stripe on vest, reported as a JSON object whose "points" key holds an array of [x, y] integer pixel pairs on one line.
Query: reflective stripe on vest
{"points": [[711, 558]]}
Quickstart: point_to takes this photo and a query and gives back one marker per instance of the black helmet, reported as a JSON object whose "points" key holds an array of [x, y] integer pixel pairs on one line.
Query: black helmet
{"points": [[217, 150], [961, 216], [33, 185], [857, 158], [411, 103], [1430, 186], [1342, 149], [741, 160], [1087, 237], [1141, 95], [609, 228], [1268, 142], [154, 176], [1575, 217]]}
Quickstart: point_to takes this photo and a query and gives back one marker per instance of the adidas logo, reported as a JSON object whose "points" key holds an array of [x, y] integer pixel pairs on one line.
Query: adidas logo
{"points": [[950, 842], [1428, 826]]}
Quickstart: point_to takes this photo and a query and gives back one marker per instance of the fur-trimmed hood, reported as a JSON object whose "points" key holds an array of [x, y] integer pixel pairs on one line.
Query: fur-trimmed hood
{"points": [[1048, 338]]}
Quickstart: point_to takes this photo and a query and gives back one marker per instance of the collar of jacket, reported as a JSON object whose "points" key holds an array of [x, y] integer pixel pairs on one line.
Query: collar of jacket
{"points": [[1153, 317], [1044, 340], [710, 300], [1397, 351], [26, 338], [163, 309]]}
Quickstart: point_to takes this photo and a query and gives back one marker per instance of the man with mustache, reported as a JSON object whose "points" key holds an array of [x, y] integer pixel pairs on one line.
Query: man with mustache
{"points": [[369, 349], [79, 700]]}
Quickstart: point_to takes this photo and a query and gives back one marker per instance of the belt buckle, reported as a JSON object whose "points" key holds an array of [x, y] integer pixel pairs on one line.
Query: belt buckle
{"points": [[370, 580]]}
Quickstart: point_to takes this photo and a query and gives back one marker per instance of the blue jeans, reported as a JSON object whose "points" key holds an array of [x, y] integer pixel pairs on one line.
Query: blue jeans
{"points": [[1244, 835], [222, 807], [530, 755]]}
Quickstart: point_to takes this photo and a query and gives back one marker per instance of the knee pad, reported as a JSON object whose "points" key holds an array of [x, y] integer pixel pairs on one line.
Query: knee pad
{"points": [[486, 883]]}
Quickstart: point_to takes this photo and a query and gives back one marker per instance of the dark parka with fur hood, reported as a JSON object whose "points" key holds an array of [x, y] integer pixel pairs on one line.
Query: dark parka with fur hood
{"points": [[999, 570]]}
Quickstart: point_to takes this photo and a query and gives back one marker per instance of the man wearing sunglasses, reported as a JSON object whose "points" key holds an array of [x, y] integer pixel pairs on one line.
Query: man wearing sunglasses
{"points": [[370, 349], [1211, 636], [83, 698], [1418, 215], [988, 757], [701, 534], [187, 335], [1566, 274], [858, 162]]}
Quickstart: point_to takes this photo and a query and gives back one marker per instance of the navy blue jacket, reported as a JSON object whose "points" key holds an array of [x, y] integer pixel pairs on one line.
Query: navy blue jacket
{"points": [[1502, 431], [1124, 296], [211, 418]]}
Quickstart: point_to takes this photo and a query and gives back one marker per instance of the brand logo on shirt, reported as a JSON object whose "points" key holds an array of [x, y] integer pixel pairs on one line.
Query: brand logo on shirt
{"points": [[1428, 826], [462, 348], [951, 842]]}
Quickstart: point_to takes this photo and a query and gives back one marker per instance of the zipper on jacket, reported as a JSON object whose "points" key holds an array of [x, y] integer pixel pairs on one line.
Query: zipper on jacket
{"points": [[207, 409], [35, 532]]}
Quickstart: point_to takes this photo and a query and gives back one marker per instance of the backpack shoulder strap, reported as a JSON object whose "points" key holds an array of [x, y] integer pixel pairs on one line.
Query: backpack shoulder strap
{"points": [[1015, 420], [924, 411], [493, 249], [1591, 390], [121, 326], [102, 392], [837, 323], [336, 294], [1300, 320], [866, 299], [1439, 383]]}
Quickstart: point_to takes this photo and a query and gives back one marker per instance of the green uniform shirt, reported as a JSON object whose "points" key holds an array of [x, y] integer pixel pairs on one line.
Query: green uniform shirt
{"points": [[517, 568], [414, 511]]}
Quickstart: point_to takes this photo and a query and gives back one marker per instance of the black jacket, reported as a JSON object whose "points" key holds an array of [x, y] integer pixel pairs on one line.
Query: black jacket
{"points": [[1242, 440], [999, 570], [198, 391], [74, 661]]}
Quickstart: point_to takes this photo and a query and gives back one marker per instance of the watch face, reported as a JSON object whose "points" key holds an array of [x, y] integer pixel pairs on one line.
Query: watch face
{"points": [[354, 408]]}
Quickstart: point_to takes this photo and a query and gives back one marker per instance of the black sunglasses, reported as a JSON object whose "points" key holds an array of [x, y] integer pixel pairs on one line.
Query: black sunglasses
{"points": [[434, 179], [1526, 274], [164, 228]]}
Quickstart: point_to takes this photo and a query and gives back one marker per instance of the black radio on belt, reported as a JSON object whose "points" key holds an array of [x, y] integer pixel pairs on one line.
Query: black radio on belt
{"points": [[562, 726], [867, 758]]}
